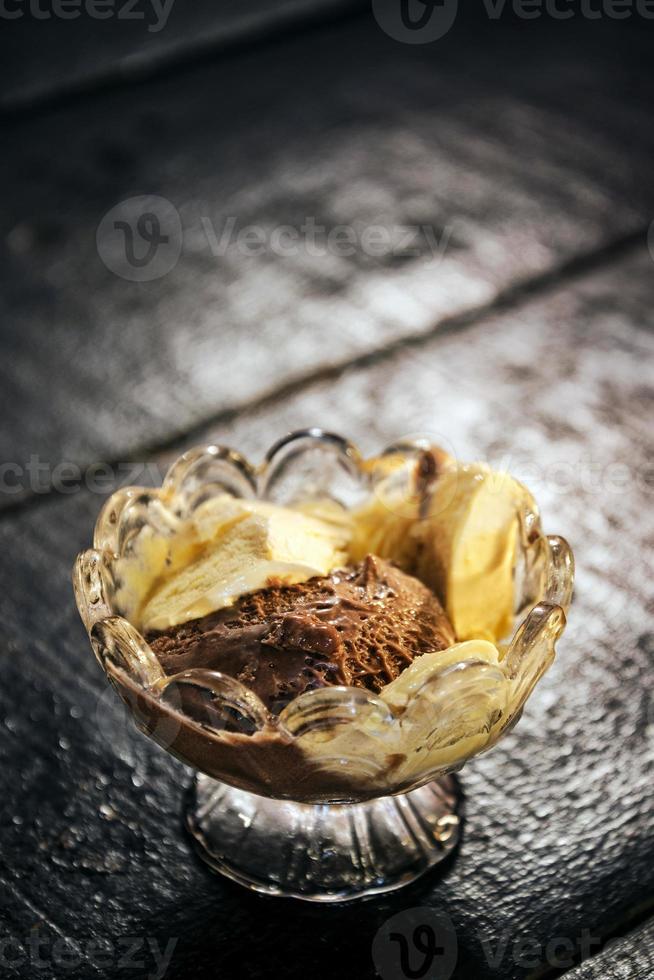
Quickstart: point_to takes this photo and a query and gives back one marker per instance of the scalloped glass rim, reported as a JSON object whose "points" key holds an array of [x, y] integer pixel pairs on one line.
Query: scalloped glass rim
{"points": [[336, 728]]}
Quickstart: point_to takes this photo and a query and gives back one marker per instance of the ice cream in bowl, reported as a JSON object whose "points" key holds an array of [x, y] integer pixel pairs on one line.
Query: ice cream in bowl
{"points": [[325, 639]]}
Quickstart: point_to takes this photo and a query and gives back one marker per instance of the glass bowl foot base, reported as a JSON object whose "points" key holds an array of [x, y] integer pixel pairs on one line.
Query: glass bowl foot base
{"points": [[324, 852]]}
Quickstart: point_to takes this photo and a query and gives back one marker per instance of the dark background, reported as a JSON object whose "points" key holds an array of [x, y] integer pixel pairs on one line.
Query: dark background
{"points": [[524, 147]]}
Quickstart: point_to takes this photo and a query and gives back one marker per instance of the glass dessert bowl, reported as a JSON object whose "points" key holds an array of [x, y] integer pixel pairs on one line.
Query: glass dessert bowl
{"points": [[348, 695]]}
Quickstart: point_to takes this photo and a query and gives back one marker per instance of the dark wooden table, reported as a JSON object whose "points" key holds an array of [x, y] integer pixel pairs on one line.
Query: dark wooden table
{"points": [[514, 319]]}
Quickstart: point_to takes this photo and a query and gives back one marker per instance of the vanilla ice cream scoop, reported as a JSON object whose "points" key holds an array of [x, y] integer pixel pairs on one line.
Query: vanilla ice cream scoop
{"points": [[228, 548], [470, 548]]}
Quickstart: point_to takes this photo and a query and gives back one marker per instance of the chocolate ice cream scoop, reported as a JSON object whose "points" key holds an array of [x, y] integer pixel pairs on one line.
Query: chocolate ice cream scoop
{"points": [[361, 626]]}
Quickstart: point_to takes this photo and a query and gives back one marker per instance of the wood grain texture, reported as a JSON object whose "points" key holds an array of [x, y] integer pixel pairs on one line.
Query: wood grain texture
{"points": [[49, 58], [475, 141], [628, 958], [558, 831]]}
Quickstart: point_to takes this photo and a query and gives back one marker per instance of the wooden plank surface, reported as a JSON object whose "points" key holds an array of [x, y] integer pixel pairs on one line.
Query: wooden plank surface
{"points": [[516, 326], [558, 832], [629, 958], [474, 144], [49, 58]]}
